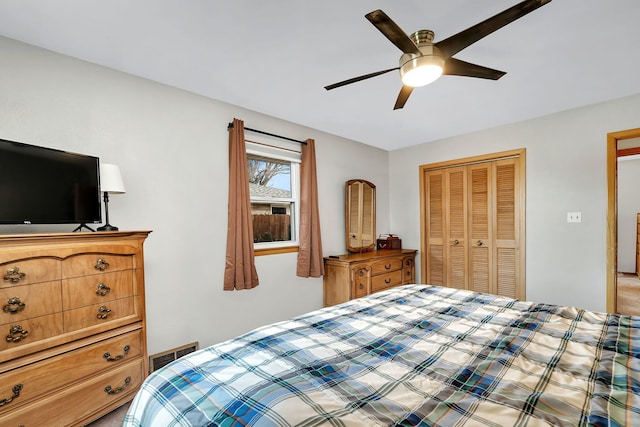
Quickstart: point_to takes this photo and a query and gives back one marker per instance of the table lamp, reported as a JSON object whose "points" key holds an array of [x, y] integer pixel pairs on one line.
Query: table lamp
{"points": [[110, 182]]}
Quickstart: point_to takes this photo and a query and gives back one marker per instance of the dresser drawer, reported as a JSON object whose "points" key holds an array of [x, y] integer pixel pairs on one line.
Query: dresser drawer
{"points": [[29, 331], [96, 289], [29, 271], [71, 406], [98, 314], [385, 281], [87, 264], [385, 266], [51, 375], [24, 302]]}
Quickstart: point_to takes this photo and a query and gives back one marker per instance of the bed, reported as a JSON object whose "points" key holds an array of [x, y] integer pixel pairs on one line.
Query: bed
{"points": [[415, 355]]}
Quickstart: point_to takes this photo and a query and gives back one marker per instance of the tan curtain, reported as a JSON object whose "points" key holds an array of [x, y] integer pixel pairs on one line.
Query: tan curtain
{"points": [[240, 270], [310, 262]]}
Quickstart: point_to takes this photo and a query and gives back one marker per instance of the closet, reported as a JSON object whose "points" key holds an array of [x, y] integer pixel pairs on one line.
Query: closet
{"points": [[472, 223]]}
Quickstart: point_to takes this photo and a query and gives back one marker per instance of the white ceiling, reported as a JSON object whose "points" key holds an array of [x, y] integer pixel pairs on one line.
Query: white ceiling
{"points": [[276, 56]]}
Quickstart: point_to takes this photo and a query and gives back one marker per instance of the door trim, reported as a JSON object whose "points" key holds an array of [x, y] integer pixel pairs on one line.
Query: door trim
{"points": [[612, 213]]}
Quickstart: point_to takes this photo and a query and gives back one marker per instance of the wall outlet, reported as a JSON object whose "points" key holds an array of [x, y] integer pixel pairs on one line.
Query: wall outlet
{"points": [[574, 216]]}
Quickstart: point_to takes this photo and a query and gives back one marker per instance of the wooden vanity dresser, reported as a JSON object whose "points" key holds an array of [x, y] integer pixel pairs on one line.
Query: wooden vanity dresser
{"points": [[358, 274], [72, 323]]}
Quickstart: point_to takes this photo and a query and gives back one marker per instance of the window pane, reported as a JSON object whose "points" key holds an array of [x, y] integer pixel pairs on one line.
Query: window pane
{"points": [[269, 177], [271, 227]]}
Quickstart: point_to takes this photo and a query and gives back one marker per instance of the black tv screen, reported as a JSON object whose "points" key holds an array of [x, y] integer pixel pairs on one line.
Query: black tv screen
{"points": [[41, 185]]}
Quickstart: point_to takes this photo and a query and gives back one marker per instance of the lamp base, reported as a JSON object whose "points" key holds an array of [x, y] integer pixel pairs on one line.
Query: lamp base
{"points": [[107, 227]]}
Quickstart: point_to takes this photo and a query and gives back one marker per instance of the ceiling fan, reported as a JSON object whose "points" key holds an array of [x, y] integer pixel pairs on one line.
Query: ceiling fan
{"points": [[424, 61]]}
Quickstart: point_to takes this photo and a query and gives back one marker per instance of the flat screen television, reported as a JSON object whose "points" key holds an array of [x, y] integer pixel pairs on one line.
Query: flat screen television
{"points": [[40, 185]]}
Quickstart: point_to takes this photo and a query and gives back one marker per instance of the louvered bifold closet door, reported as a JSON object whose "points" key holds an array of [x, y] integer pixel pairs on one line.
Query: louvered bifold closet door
{"points": [[435, 227], [473, 226], [480, 228], [507, 228], [456, 227]]}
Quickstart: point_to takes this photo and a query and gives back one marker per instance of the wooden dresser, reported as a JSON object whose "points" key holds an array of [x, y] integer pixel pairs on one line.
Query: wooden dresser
{"points": [[73, 326], [359, 274]]}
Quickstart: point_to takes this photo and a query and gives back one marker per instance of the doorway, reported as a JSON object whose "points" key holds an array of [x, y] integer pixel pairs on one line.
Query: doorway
{"points": [[618, 144]]}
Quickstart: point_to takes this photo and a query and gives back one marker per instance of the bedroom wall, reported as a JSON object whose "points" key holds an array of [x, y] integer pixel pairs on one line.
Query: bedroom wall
{"points": [[171, 147], [628, 209], [566, 172]]}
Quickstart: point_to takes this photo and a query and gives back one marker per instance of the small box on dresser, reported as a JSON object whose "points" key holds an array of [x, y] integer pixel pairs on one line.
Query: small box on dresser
{"points": [[355, 275], [73, 319]]}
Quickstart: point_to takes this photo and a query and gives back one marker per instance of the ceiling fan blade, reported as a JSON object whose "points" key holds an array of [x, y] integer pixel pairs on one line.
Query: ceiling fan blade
{"points": [[357, 79], [403, 96], [454, 44], [392, 31], [456, 67]]}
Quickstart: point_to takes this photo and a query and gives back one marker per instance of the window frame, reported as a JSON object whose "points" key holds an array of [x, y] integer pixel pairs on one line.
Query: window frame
{"points": [[281, 151]]}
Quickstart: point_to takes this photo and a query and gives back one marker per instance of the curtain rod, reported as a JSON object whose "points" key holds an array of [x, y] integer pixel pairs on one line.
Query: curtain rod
{"points": [[230, 126]]}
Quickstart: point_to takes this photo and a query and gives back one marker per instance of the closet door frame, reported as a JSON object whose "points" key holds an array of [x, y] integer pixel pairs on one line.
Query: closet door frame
{"points": [[520, 156]]}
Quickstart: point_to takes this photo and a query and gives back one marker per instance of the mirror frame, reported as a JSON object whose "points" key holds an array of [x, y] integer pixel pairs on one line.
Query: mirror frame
{"points": [[361, 216]]}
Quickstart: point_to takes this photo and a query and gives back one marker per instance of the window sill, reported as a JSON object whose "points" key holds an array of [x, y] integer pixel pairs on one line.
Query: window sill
{"points": [[273, 251]]}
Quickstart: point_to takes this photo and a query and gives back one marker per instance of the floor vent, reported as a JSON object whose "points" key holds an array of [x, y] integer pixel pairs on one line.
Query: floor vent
{"points": [[158, 360]]}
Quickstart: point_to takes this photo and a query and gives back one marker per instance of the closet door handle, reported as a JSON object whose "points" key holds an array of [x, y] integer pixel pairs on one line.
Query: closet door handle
{"points": [[479, 242], [455, 242]]}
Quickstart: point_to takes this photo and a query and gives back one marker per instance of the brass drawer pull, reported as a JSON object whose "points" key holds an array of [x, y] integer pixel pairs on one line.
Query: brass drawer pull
{"points": [[13, 305], [16, 334], [16, 393], [387, 281], [102, 289], [110, 390], [107, 355], [14, 275], [387, 266], [101, 264], [103, 312]]}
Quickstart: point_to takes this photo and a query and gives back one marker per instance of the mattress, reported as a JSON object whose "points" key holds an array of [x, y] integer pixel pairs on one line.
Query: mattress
{"points": [[415, 355]]}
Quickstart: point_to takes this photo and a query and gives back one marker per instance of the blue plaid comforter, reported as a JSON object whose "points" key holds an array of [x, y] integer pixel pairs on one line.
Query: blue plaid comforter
{"points": [[415, 355]]}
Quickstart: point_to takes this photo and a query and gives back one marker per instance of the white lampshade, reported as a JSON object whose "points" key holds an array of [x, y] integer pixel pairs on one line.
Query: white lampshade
{"points": [[111, 179]]}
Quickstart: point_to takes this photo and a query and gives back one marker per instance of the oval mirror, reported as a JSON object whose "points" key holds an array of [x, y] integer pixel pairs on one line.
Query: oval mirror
{"points": [[360, 209]]}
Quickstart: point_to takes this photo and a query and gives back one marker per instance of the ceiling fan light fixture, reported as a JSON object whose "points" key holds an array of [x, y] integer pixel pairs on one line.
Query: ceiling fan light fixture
{"points": [[421, 70]]}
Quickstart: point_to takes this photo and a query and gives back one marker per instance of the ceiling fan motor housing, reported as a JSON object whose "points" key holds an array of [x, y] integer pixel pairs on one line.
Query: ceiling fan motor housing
{"points": [[419, 70]]}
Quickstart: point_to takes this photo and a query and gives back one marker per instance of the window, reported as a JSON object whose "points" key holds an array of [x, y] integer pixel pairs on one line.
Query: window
{"points": [[273, 171], [278, 210]]}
